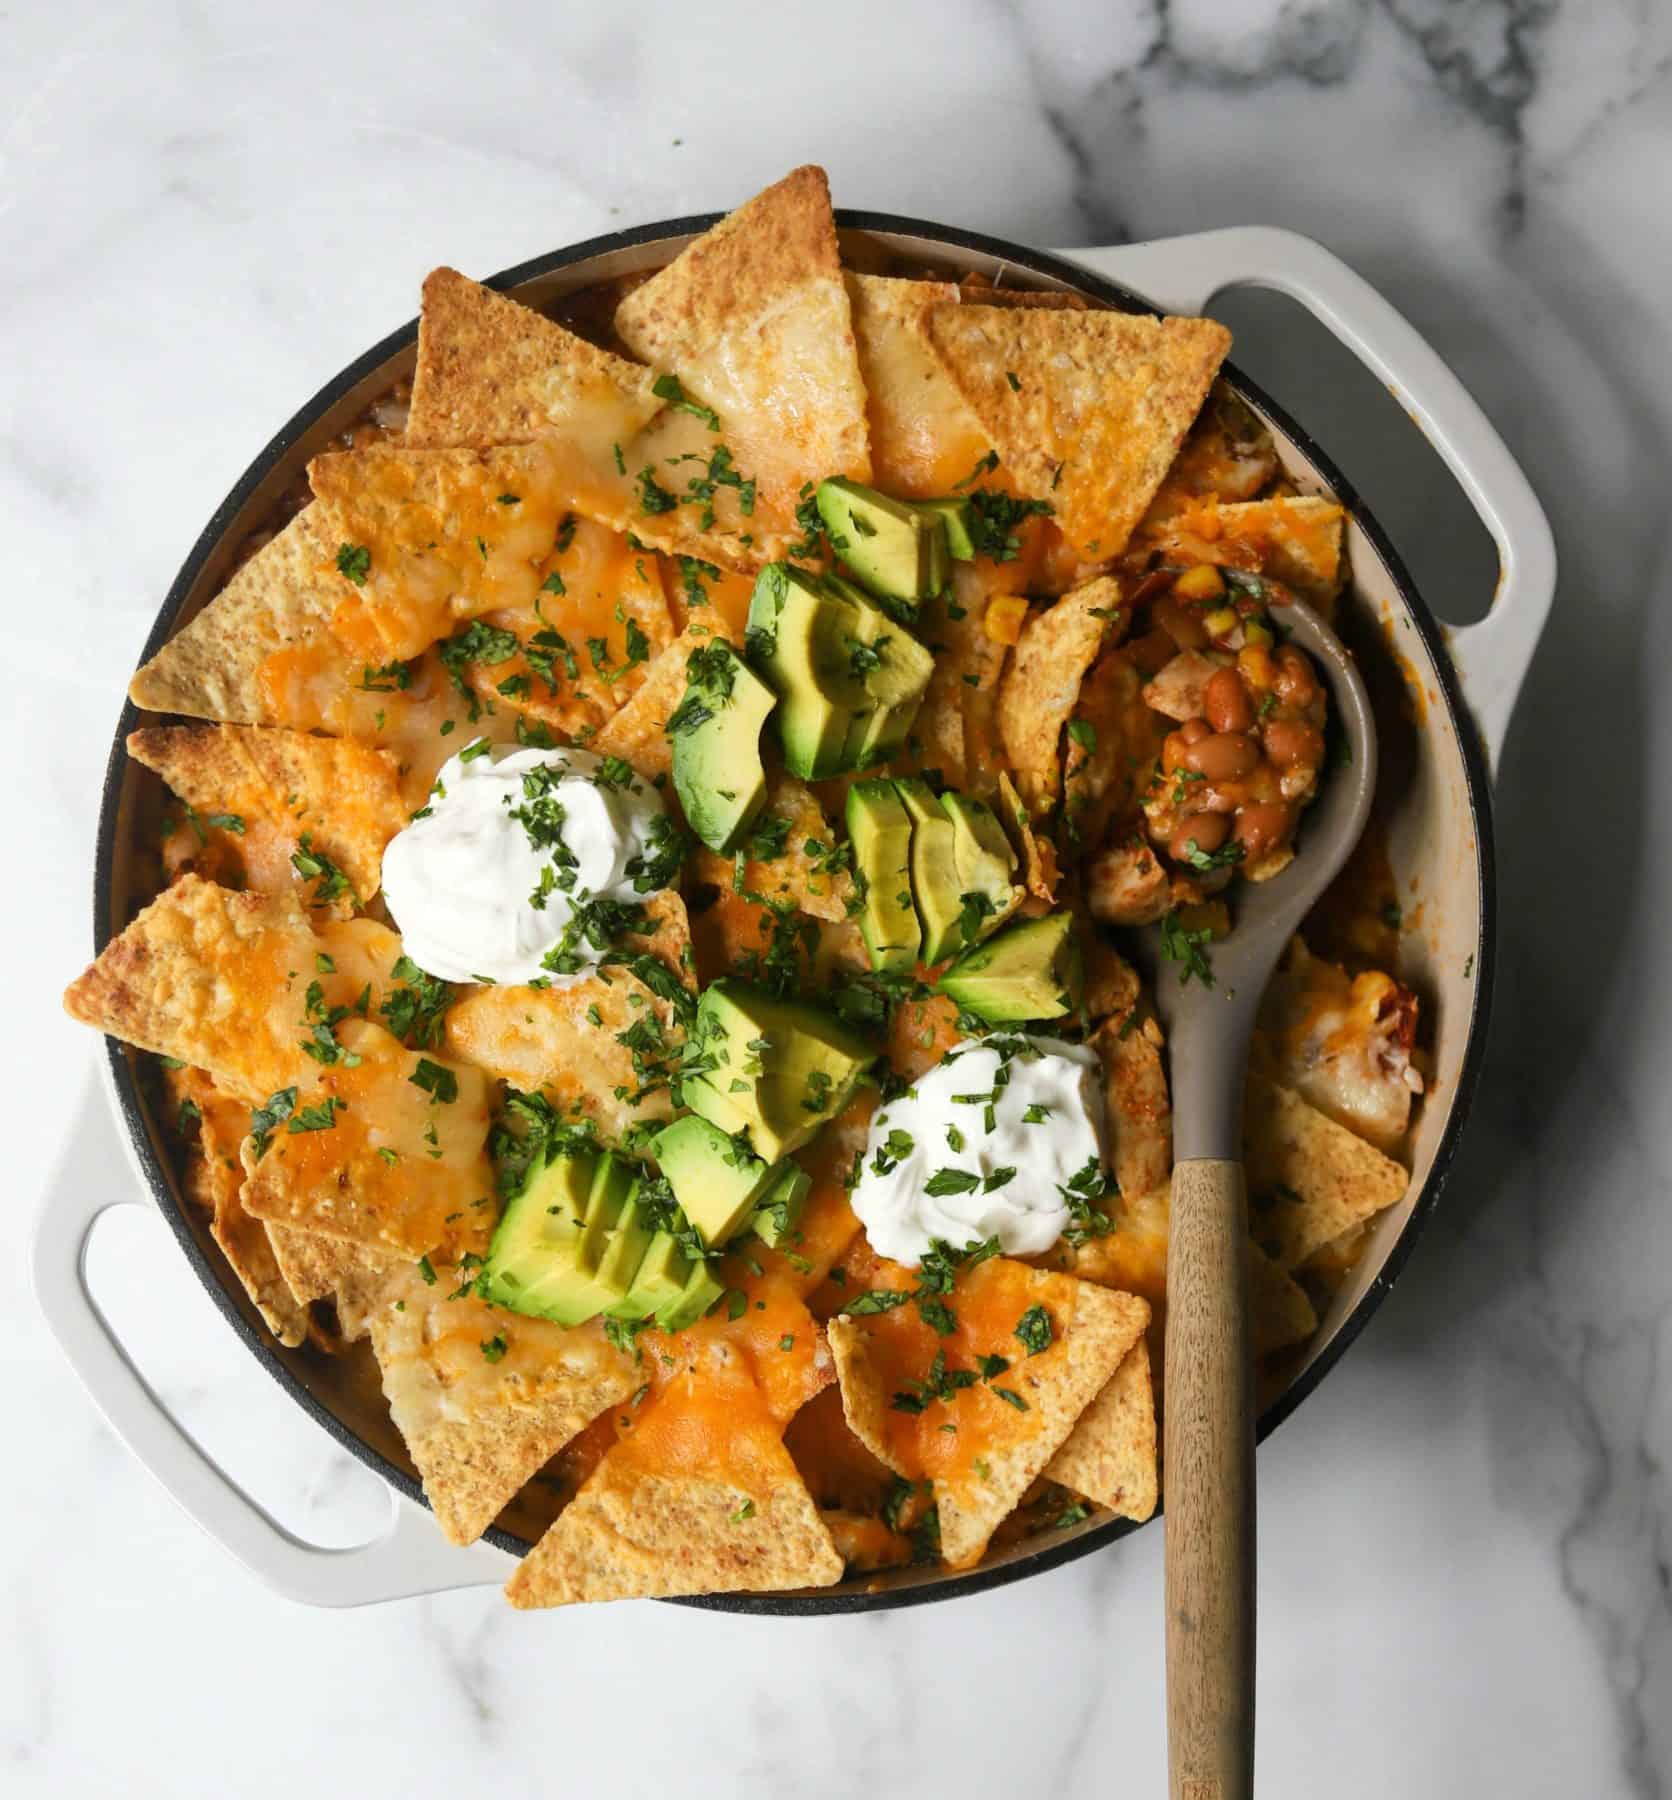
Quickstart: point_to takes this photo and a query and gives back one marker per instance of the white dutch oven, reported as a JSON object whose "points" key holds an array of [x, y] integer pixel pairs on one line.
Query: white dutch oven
{"points": [[1435, 793]]}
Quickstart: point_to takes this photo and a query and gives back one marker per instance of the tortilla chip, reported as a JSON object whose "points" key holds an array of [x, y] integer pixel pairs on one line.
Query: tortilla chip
{"points": [[1101, 402], [1113, 738], [280, 600], [1041, 688], [700, 1496], [924, 438], [982, 293], [1280, 1313], [279, 786], [396, 1164], [218, 1184], [351, 1277], [209, 977], [753, 318], [799, 871], [1109, 1456], [1309, 1179], [954, 728], [1040, 872], [484, 1397], [566, 1042], [1228, 454], [492, 371], [1294, 538], [1137, 1111], [879, 1356], [639, 731]]}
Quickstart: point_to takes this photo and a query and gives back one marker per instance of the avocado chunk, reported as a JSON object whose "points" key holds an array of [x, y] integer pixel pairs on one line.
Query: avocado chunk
{"points": [[776, 1069], [714, 1180], [618, 1268], [934, 869], [699, 1293], [538, 1233], [573, 1292], [880, 829], [800, 635], [661, 1278], [985, 862], [896, 670], [778, 1213], [958, 518], [715, 732], [891, 546], [1031, 971]]}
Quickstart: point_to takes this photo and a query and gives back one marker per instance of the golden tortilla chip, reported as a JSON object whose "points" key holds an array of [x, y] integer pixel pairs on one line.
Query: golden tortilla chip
{"points": [[1294, 538], [1309, 1179], [1040, 872], [1011, 1423], [954, 729], [1228, 454], [1280, 1314], [753, 318], [492, 371], [639, 731], [567, 1042], [484, 1397], [700, 1496], [1136, 1108], [793, 821], [272, 788], [353, 1278], [217, 1181], [1113, 739], [1086, 409], [1041, 688], [1109, 1456], [280, 600], [209, 977], [924, 438], [386, 1151]]}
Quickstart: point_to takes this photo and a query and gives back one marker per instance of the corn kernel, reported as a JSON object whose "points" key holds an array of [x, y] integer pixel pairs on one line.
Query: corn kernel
{"points": [[1221, 622], [1004, 618], [1255, 666], [1203, 582], [1253, 632]]}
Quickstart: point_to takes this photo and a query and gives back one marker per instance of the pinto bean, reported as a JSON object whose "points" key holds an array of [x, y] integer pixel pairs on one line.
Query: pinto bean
{"points": [[1260, 829], [1226, 756], [1227, 703], [1207, 831], [1293, 744], [1295, 680]]}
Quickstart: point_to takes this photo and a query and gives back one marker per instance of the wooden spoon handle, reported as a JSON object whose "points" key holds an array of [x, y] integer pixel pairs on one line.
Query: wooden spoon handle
{"points": [[1209, 1487]]}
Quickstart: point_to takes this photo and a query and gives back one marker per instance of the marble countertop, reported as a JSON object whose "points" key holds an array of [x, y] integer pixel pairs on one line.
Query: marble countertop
{"points": [[1466, 1556]]}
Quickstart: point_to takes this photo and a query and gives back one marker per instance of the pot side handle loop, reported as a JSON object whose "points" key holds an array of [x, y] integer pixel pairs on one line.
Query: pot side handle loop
{"points": [[1183, 274], [409, 1557]]}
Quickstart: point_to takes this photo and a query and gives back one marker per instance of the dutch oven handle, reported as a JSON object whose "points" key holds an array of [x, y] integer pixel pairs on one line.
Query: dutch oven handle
{"points": [[409, 1557], [1183, 274]]}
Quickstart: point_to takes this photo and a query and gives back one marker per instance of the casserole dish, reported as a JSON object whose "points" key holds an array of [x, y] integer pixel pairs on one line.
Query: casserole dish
{"points": [[1446, 711]]}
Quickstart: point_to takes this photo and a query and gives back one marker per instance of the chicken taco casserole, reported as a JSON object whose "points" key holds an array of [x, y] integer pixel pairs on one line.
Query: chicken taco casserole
{"points": [[642, 856]]}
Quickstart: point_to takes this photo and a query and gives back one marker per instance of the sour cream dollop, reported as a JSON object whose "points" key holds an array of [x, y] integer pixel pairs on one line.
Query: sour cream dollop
{"points": [[982, 1146], [483, 883]]}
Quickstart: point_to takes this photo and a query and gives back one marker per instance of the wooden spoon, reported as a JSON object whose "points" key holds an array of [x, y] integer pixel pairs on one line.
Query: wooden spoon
{"points": [[1208, 1450]]}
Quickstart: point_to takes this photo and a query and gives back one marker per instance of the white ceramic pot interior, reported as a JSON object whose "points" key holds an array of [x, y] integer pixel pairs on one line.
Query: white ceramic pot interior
{"points": [[1424, 799]]}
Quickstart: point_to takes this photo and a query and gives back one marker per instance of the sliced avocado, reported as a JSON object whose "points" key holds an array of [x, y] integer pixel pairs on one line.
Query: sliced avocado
{"points": [[661, 1277], [618, 1268], [1031, 971], [776, 1069], [985, 863], [715, 1182], [958, 517], [715, 731], [779, 1210], [880, 829], [934, 869], [800, 636], [896, 671], [538, 1232], [699, 1293], [889, 544], [572, 1292]]}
